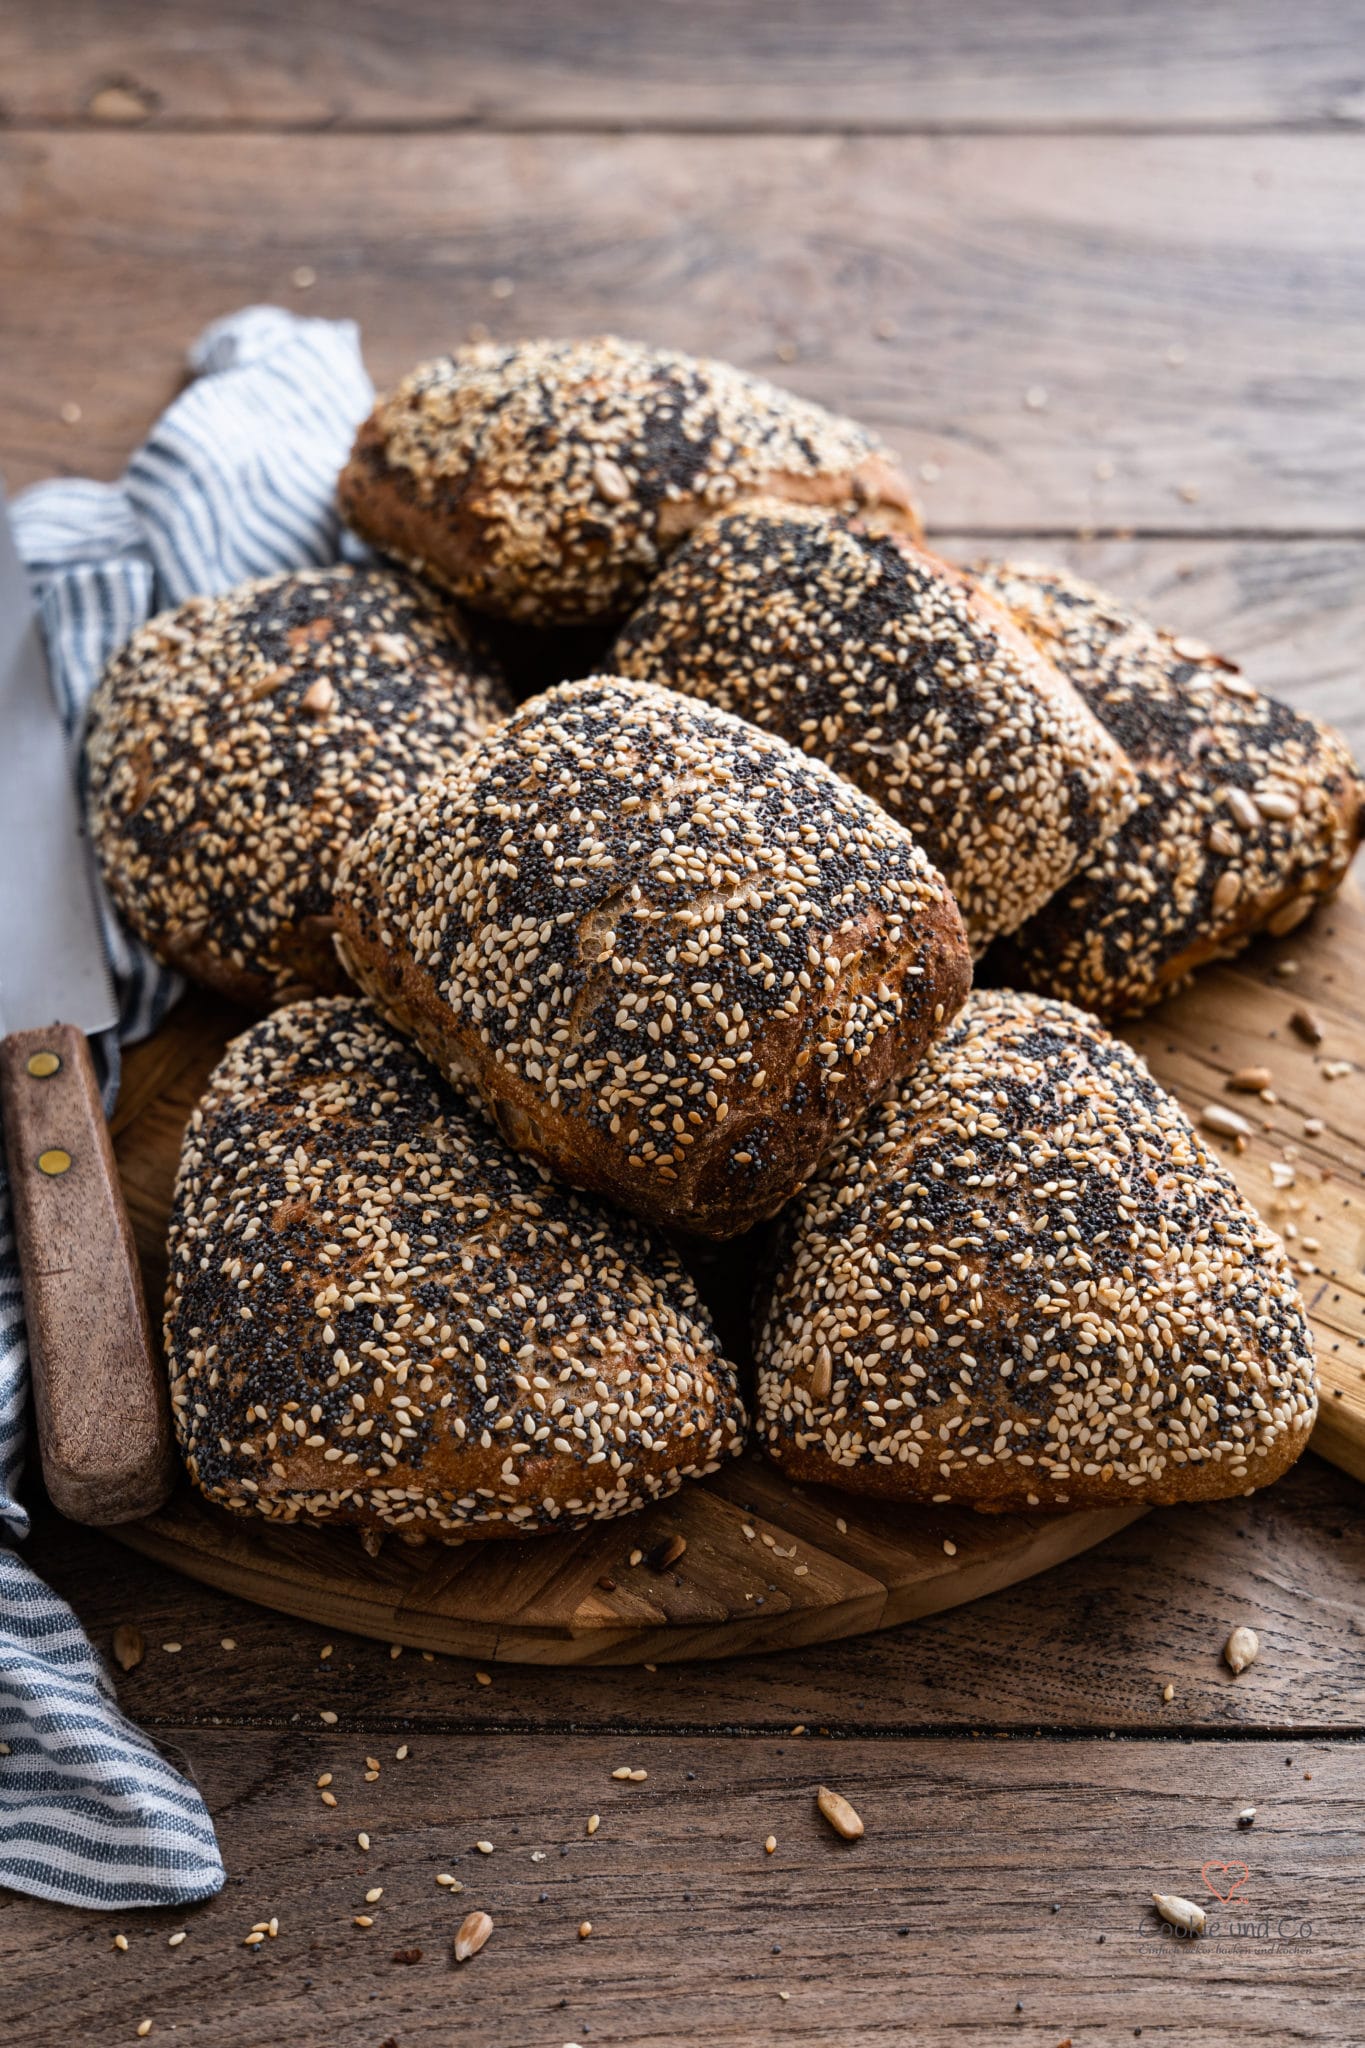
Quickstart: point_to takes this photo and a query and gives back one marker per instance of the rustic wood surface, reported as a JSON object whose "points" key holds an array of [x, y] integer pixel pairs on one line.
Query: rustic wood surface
{"points": [[1153, 217]]}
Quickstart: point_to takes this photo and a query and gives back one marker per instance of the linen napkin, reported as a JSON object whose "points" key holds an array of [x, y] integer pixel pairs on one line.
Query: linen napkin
{"points": [[237, 479]]}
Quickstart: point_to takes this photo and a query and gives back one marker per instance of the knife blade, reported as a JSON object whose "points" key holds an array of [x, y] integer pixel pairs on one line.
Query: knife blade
{"points": [[99, 1394]]}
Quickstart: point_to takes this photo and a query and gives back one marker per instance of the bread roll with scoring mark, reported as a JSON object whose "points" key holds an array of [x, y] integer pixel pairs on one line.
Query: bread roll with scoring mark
{"points": [[378, 1315], [1025, 1282], [1248, 813], [673, 957], [871, 654], [547, 480]]}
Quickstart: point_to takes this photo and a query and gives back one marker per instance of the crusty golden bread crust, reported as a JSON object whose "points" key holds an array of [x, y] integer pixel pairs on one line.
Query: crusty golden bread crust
{"points": [[1024, 1282], [1248, 813], [875, 656], [235, 745], [546, 480], [378, 1315], [673, 957]]}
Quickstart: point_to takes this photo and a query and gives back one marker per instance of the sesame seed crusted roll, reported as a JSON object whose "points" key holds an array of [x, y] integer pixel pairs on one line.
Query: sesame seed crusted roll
{"points": [[546, 480], [871, 654], [1025, 1282], [378, 1315], [1248, 813], [235, 745], [674, 957]]}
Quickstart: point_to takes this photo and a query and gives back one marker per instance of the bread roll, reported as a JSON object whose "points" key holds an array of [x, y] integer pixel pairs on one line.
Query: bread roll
{"points": [[1249, 813], [376, 1314], [673, 957], [236, 744], [1025, 1282], [546, 480], [871, 654]]}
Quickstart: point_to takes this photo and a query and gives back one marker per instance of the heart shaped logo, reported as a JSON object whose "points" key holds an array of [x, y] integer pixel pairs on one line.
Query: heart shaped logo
{"points": [[1224, 1880]]}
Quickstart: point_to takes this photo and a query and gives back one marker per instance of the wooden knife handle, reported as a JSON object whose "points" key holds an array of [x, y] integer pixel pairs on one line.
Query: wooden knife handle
{"points": [[103, 1409]]}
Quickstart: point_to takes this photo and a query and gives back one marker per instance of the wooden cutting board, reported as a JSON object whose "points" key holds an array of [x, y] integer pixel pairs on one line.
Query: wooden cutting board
{"points": [[769, 1564]]}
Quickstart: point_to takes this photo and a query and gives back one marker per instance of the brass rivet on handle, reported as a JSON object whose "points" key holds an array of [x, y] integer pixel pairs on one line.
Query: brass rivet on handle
{"points": [[54, 1160], [42, 1065]]}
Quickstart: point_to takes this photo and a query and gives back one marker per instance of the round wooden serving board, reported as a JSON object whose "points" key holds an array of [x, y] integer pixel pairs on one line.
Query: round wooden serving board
{"points": [[769, 1564]]}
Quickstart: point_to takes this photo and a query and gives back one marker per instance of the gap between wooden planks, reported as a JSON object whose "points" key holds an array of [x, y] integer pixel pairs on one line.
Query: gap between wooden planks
{"points": [[1018, 313], [939, 1921]]}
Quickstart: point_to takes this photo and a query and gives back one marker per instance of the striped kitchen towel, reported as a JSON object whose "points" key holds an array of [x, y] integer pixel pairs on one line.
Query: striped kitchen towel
{"points": [[236, 479]]}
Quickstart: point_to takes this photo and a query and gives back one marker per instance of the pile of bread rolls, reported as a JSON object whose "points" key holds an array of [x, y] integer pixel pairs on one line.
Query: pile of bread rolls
{"points": [[552, 991]]}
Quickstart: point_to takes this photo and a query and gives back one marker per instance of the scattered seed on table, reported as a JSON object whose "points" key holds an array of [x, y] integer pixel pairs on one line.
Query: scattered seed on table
{"points": [[129, 1647], [484, 1848], [121, 1942], [1168, 1693], [1181, 1913], [362, 1841], [747, 1532], [950, 1549], [174, 1940], [841, 1525], [272, 1927], [622, 1772], [799, 1729], [374, 1895], [172, 1649], [770, 1846], [401, 1752], [1307, 1025], [637, 1557], [324, 1781], [255, 1938], [1313, 1127], [362, 1920], [451, 1884], [1250, 1080], [537, 1855], [370, 1777], [395, 1649], [372, 1764], [1336, 1070], [304, 277], [327, 1717], [839, 1814], [228, 1643], [1216, 1116], [329, 1798], [584, 1929], [1246, 1817], [144, 2027], [325, 1652], [594, 1823], [1241, 1648], [471, 1935], [483, 1678]]}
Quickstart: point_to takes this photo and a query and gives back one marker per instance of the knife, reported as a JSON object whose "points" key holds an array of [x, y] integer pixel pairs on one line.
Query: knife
{"points": [[99, 1392]]}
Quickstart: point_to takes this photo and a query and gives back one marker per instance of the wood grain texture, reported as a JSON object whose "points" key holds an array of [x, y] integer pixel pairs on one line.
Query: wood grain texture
{"points": [[704, 64], [939, 1924], [769, 1564], [99, 1392], [1089, 1647], [932, 286]]}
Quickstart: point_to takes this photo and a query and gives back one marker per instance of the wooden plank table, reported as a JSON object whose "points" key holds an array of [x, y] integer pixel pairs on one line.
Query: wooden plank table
{"points": [[1100, 275]]}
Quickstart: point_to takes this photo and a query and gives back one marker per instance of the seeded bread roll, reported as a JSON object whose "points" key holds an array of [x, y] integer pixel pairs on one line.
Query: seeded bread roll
{"points": [[1025, 1283], [546, 480], [673, 957], [1248, 813], [376, 1314], [873, 655], [236, 744]]}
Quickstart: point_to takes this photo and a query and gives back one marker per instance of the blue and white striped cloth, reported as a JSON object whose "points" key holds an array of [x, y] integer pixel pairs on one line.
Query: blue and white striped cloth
{"points": [[237, 479]]}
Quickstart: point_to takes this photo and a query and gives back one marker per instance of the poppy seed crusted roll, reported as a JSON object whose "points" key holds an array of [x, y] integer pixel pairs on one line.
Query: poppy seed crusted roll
{"points": [[873, 655], [546, 480], [1026, 1282], [237, 743], [378, 1315], [673, 957], [1248, 813]]}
